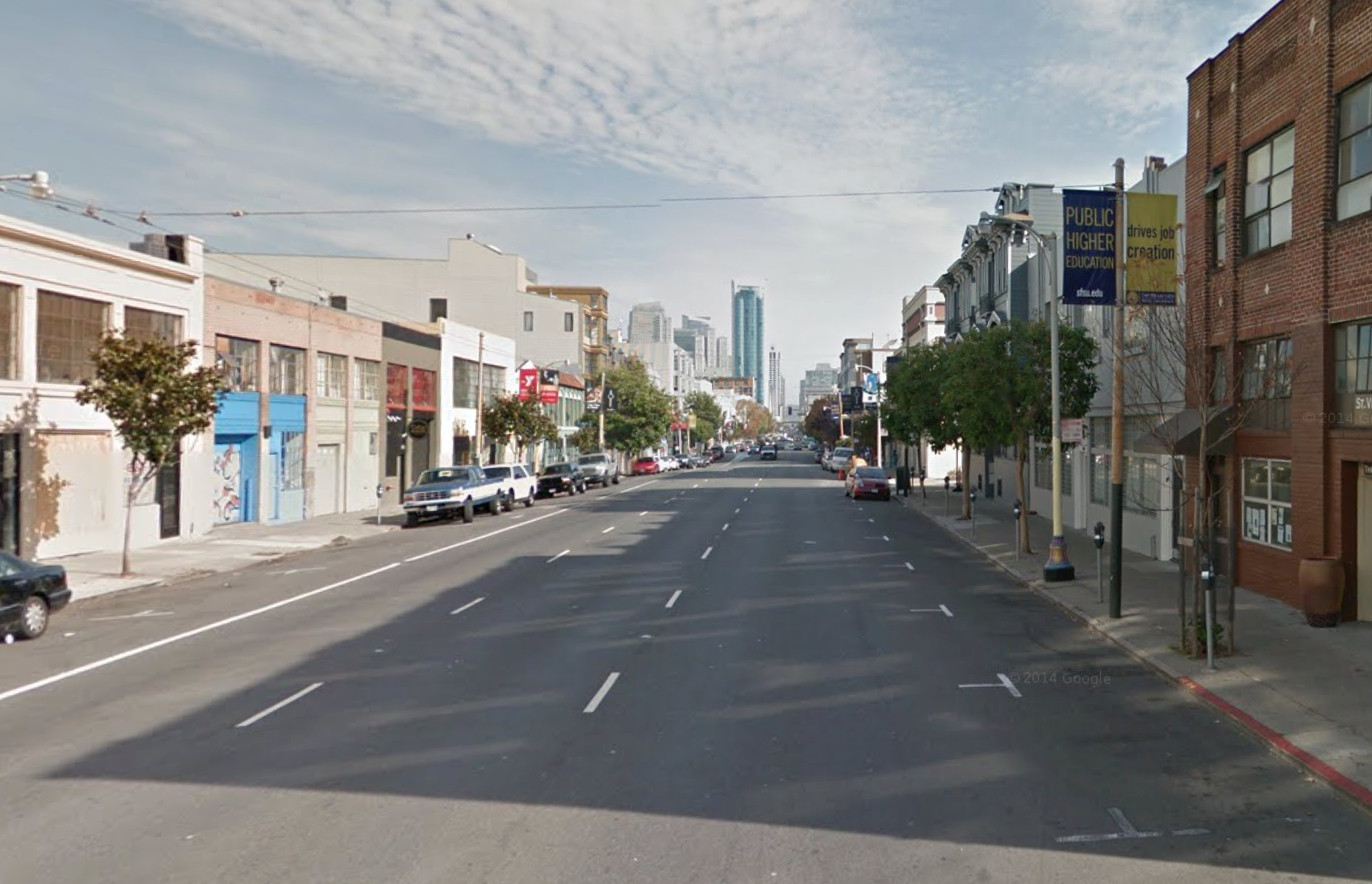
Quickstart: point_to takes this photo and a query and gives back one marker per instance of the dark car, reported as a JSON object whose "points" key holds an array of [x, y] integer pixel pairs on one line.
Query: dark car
{"points": [[561, 478], [869, 482], [769, 452], [28, 594]]}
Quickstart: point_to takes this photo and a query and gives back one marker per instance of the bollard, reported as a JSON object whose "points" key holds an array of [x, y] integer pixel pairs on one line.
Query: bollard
{"points": [[1018, 515], [1099, 540], [380, 493]]}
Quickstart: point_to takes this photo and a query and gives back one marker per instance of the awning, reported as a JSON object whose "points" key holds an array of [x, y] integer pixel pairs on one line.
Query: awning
{"points": [[1180, 434]]}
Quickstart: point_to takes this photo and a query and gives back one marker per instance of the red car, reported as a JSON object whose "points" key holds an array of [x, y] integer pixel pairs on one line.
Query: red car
{"points": [[868, 482], [646, 466]]}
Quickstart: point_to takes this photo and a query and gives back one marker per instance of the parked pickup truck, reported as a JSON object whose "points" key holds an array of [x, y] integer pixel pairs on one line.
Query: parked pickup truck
{"points": [[449, 492], [599, 469], [517, 483]]}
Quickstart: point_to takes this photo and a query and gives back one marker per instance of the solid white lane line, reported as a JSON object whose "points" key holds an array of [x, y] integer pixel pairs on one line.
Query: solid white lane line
{"points": [[471, 604], [726, 526], [642, 514], [600, 694], [173, 639], [636, 487], [1009, 685], [284, 703], [706, 554], [558, 556], [608, 530], [909, 566], [452, 546], [672, 601]]}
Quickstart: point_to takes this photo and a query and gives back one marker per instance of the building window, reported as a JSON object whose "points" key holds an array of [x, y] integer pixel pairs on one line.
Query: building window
{"points": [[9, 331], [150, 325], [330, 376], [236, 359], [1142, 484], [1267, 198], [438, 309], [1355, 151], [1267, 502], [1219, 216], [1219, 376], [424, 389], [69, 330], [569, 322], [464, 383], [367, 380], [1353, 372], [528, 320], [292, 460], [1267, 369], [492, 382], [287, 367]]}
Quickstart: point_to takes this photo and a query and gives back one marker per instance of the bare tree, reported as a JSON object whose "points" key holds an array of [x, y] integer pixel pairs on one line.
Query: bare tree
{"points": [[1191, 404]]}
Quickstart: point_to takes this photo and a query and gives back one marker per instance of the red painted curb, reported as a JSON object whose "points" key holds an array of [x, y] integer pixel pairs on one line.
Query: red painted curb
{"points": [[1344, 784]]}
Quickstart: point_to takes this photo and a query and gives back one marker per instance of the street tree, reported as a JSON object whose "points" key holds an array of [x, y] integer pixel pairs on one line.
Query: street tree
{"points": [[644, 414], [709, 417], [915, 410], [1191, 406], [154, 398], [752, 420], [865, 431], [521, 419], [820, 422]]}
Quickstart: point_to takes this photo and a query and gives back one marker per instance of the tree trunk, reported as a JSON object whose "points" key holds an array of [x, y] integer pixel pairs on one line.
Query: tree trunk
{"points": [[1022, 529], [136, 484]]}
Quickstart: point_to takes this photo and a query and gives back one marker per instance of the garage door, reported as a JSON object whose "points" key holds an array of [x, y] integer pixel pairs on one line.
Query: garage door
{"points": [[326, 478]]}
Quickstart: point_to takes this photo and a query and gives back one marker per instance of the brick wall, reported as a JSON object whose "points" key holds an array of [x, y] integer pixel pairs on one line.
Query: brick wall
{"points": [[1287, 69]]}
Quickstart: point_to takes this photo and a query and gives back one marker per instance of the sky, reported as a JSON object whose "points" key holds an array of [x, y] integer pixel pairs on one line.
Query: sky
{"points": [[160, 106]]}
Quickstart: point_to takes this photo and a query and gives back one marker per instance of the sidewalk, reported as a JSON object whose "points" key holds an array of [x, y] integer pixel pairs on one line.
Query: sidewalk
{"points": [[225, 548], [1301, 690]]}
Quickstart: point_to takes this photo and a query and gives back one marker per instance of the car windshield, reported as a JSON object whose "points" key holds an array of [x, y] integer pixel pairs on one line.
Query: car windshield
{"points": [[497, 472], [432, 477], [592, 458], [843, 453], [557, 469], [870, 473]]}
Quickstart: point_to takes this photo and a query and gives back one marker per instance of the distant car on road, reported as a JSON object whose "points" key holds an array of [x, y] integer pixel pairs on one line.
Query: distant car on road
{"points": [[29, 594], [768, 452], [868, 482], [647, 466]]}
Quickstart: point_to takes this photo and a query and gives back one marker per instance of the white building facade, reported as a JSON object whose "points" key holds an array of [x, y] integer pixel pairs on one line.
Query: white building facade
{"points": [[63, 471]]}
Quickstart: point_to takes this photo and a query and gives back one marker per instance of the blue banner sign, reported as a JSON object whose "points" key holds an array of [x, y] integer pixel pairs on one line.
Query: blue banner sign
{"points": [[1088, 247]]}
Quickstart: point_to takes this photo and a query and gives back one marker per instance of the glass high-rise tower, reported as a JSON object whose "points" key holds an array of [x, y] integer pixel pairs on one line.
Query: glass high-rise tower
{"points": [[749, 359]]}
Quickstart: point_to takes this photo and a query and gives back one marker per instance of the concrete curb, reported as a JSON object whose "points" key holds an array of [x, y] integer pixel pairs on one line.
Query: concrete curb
{"points": [[1276, 742]]}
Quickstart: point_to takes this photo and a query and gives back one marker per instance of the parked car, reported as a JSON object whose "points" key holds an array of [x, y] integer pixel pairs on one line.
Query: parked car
{"points": [[768, 452], [838, 459], [449, 492], [600, 469], [29, 594], [717, 453], [517, 483], [647, 466], [868, 482], [562, 478]]}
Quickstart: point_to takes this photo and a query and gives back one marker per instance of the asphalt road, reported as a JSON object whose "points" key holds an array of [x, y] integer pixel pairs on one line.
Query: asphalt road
{"points": [[727, 675]]}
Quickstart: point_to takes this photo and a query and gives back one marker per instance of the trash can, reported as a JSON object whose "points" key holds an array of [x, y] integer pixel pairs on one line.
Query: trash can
{"points": [[902, 478]]}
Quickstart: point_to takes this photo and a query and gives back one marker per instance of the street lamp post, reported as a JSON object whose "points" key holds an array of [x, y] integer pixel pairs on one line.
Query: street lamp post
{"points": [[1058, 568], [39, 188]]}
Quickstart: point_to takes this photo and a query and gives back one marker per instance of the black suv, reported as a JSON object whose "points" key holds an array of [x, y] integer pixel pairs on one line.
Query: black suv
{"points": [[561, 478]]}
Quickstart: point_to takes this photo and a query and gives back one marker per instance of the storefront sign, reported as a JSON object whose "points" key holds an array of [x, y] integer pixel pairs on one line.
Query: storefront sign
{"points": [[528, 383]]}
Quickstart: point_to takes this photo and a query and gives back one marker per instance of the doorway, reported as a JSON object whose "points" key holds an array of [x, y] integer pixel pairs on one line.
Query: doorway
{"points": [[1364, 549], [9, 492], [167, 493]]}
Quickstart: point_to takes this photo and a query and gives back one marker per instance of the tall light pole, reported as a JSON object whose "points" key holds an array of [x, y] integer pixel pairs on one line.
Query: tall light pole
{"points": [[480, 403], [39, 188], [1058, 568]]}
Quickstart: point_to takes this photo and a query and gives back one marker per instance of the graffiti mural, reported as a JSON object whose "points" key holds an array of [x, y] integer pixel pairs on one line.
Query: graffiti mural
{"points": [[228, 482]]}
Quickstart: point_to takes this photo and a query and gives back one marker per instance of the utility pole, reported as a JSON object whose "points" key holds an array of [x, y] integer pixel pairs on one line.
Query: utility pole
{"points": [[602, 409], [480, 398], [1117, 407]]}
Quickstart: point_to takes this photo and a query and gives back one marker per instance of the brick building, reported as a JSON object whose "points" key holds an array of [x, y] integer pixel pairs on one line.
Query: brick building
{"points": [[1279, 209]]}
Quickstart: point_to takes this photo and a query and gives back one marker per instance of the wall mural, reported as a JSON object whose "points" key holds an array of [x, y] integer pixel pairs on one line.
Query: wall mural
{"points": [[228, 480]]}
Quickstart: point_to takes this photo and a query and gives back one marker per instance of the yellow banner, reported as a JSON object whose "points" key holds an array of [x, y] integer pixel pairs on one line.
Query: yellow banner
{"points": [[1150, 263]]}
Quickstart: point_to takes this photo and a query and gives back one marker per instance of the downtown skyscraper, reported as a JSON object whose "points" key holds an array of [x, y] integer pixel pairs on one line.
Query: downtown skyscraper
{"points": [[748, 335]]}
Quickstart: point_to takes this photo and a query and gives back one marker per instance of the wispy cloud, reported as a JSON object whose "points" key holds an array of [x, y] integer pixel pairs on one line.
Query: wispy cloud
{"points": [[757, 94]]}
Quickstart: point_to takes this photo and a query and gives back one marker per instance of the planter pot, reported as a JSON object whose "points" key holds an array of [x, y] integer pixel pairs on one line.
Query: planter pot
{"points": [[1321, 585]]}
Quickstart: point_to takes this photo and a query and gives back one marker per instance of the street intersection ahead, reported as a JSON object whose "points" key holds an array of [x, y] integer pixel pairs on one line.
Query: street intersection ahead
{"points": [[731, 674]]}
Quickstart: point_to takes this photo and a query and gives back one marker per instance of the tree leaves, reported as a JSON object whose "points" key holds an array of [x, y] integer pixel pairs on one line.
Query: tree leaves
{"points": [[645, 412], [709, 417], [523, 419]]}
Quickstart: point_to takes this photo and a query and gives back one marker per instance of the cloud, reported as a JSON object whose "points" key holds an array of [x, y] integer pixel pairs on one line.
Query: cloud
{"points": [[751, 94]]}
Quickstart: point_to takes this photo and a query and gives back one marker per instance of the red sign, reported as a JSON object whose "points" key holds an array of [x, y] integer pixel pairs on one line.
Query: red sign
{"points": [[397, 391], [528, 383], [548, 395], [423, 389]]}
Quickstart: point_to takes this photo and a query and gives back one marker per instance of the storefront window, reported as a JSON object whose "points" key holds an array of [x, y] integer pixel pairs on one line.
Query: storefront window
{"points": [[1267, 502]]}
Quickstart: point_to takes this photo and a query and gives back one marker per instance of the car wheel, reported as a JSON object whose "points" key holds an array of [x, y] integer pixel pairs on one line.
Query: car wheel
{"points": [[509, 501], [468, 511], [529, 501], [615, 480], [411, 519], [33, 620], [495, 506]]}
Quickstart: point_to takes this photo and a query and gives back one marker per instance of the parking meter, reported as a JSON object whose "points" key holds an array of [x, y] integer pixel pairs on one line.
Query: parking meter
{"points": [[1019, 510], [1098, 538], [945, 483], [1207, 577], [972, 496]]}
